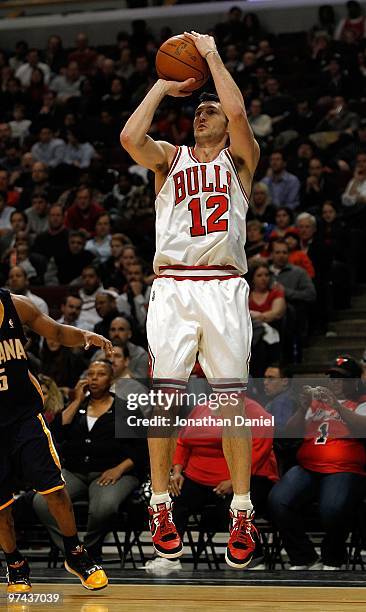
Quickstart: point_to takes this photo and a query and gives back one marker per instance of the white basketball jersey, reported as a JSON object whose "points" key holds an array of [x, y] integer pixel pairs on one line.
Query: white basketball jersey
{"points": [[200, 214]]}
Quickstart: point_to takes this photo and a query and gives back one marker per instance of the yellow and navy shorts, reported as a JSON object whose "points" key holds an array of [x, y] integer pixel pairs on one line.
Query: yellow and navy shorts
{"points": [[27, 450]]}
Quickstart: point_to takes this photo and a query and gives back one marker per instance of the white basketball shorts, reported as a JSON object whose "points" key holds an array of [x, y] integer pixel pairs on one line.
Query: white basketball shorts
{"points": [[208, 317]]}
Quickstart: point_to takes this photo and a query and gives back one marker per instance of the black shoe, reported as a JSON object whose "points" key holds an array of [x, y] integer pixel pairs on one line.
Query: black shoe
{"points": [[17, 576], [91, 575]]}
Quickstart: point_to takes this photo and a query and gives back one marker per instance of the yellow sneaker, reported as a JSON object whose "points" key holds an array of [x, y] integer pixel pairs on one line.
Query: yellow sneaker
{"points": [[91, 575], [17, 576]]}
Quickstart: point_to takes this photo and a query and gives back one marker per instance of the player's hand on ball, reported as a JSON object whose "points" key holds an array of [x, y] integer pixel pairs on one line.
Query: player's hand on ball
{"points": [[203, 42], [91, 339], [177, 88]]}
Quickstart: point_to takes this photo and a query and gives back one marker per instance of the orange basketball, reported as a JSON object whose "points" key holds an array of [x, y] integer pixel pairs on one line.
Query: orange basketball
{"points": [[178, 60]]}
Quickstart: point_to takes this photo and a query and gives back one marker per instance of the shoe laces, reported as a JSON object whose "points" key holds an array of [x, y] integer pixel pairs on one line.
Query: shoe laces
{"points": [[165, 521], [243, 528]]}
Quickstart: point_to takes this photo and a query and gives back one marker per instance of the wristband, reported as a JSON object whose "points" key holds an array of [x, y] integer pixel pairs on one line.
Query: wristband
{"points": [[212, 51]]}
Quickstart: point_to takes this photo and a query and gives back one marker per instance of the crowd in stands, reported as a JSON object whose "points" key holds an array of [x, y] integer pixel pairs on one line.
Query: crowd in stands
{"points": [[77, 238]]}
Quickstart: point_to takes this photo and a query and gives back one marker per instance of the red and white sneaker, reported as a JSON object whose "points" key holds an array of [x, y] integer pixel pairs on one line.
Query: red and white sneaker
{"points": [[166, 540], [243, 537]]}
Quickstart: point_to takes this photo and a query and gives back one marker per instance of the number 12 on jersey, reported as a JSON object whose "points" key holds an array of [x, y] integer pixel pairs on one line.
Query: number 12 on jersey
{"points": [[219, 204]]}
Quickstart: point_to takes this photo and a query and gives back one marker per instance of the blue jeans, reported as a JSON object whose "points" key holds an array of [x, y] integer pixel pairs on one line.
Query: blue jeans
{"points": [[338, 495]]}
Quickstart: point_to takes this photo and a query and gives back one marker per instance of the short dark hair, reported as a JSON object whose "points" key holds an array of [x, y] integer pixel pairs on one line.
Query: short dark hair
{"points": [[71, 295], [279, 241], [21, 213], [105, 362], [78, 234], [288, 212], [41, 194], [93, 267], [208, 97], [284, 370]]}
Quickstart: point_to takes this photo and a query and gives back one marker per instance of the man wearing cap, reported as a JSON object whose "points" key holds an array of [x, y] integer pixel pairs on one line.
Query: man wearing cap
{"points": [[331, 468]]}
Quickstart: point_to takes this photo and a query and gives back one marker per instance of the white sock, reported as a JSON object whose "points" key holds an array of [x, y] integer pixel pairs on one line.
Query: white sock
{"points": [[160, 498], [241, 502]]}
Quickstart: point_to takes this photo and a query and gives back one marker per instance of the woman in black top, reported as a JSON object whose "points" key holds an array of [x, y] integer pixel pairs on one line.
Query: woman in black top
{"points": [[98, 467]]}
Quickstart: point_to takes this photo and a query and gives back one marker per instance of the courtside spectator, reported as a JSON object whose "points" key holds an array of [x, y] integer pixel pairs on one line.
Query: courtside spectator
{"points": [[330, 470]]}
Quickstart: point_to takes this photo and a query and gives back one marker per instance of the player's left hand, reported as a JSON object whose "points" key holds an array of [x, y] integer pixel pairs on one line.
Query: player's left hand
{"points": [[110, 477], [203, 42], [91, 339]]}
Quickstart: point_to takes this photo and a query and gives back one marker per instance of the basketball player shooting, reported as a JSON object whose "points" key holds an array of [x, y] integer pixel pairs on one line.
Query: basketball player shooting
{"points": [[199, 301], [26, 441]]}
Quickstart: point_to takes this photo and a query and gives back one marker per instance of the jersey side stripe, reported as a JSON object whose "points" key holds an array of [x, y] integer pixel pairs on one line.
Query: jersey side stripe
{"points": [[175, 160], [191, 155], [1, 313], [51, 445], [11, 501], [172, 166], [35, 382], [228, 155]]}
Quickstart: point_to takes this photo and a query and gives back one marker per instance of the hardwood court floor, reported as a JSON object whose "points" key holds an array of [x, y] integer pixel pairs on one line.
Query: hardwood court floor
{"points": [[174, 598]]}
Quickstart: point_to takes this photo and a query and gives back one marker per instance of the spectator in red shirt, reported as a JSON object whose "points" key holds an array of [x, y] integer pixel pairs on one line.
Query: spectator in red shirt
{"points": [[266, 304], [267, 307], [84, 213], [201, 476], [330, 470], [12, 196], [296, 256]]}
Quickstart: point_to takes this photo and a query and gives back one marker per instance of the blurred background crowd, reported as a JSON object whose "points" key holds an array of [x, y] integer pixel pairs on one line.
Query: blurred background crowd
{"points": [[77, 221]]}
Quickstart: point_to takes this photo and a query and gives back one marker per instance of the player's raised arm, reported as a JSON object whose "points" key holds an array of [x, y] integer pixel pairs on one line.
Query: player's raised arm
{"points": [[155, 155], [243, 145], [66, 335]]}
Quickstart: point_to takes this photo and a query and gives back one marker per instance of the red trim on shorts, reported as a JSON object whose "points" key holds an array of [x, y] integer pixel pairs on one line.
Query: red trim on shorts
{"points": [[188, 276], [169, 381], [151, 362], [232, 384], [198, 277], [182, 267]]}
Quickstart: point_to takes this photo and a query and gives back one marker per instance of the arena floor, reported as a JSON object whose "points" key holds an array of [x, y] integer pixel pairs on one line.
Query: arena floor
{"points": [[133, 591]]}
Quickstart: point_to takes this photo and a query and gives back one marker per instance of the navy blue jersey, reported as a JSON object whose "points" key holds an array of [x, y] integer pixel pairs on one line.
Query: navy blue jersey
{"points": [[20, 392]]}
